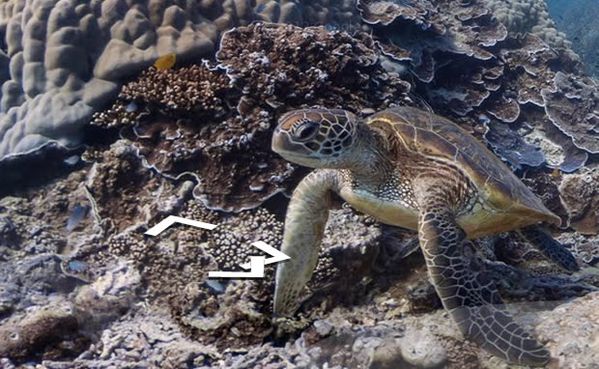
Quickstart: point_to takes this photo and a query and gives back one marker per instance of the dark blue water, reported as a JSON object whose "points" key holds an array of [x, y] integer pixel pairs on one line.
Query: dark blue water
{"points": [[579, 19]]}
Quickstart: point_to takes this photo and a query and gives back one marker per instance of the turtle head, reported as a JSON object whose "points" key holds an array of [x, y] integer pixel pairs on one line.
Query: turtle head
{"points": [[316, 138]]}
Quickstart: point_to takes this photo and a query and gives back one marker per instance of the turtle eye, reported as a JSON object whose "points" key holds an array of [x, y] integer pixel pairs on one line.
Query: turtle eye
{"points": [[306, 130]]}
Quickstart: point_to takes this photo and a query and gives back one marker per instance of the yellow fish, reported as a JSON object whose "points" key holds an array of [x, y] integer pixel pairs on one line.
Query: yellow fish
{"points": [[165, 61]]}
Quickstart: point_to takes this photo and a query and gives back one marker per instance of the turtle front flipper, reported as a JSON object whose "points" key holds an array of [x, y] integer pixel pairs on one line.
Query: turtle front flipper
{"points": [[552, 249], [306, 219], [470, 296]]}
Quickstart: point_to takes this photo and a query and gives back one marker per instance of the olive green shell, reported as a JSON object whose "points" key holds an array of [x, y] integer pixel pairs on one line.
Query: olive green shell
{"points": [[434, 136]]}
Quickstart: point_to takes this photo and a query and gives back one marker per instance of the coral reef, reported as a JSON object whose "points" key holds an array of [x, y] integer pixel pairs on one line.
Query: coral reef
{"points": [[517, 85], [61, 61], [67, 59], [528, 16], [237, 314], [572, 106], [193, 141], [219, 131]]}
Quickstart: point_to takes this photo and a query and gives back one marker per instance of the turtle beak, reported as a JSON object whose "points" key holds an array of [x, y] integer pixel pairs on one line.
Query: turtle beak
{"points": [[279, 140]]}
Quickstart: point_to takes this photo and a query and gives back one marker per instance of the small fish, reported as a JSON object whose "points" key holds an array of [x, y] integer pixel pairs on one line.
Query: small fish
{"points": [[77, 266], [165, 61], [72, 160], [79, 212], [555, 173], [131, 107]]}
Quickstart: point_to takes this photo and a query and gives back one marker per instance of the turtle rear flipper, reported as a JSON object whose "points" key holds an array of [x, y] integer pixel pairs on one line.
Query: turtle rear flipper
{"points": [[551, 249], [468, 294]]}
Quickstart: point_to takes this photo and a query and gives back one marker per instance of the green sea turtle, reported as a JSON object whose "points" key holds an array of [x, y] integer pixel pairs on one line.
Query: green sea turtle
{"points": [[410, 168]]}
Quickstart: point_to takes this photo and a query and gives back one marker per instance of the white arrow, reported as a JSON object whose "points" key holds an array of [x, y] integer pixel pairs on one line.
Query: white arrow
{"points": [[257, 270], [256, 264], [172, 219], [277, 256]]}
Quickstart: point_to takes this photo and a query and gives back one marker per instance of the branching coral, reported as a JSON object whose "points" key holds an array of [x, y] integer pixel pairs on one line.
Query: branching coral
{"points": [[285, 64], [220, 133], [194, 89]]}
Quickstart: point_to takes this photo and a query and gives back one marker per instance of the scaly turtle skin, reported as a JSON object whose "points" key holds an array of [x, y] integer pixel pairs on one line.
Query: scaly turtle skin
{"points": [[413, 169]]}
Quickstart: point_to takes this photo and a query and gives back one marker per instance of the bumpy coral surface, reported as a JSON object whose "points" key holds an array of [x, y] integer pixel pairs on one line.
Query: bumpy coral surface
{"points": [[193, 141], [63, 60], [528, 16], [213, 123]]}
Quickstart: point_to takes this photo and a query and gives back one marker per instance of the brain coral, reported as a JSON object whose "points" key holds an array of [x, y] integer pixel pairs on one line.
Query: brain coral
{"points": [[62, 60]]}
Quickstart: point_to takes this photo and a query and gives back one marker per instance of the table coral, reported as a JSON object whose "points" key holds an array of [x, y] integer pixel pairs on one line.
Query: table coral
{"points": [[468, 65]]}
